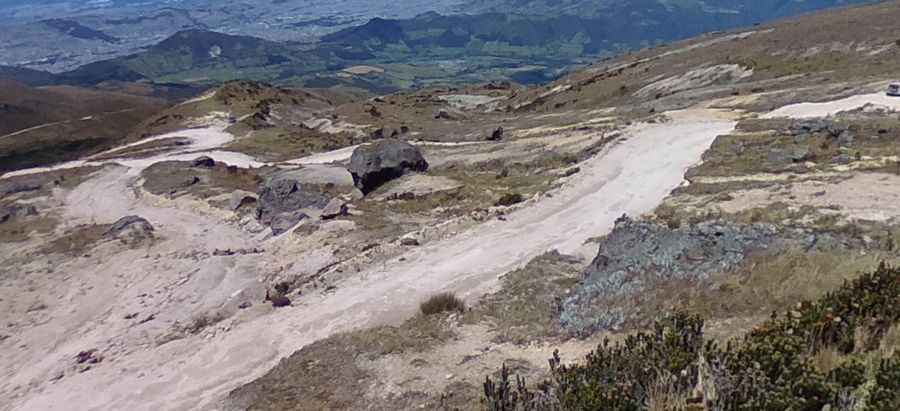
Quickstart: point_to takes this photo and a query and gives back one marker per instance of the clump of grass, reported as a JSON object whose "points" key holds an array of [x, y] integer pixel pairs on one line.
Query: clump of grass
{"points": [[441, 303], [509, 199]]}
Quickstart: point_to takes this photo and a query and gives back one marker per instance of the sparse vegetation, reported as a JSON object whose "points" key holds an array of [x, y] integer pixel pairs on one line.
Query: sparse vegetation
{"points": [[777, 366], [442, 303], [509, 199]]}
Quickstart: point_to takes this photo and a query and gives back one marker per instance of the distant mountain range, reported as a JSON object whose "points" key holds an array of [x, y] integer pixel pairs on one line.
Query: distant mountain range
{"points": [[527, 41]]}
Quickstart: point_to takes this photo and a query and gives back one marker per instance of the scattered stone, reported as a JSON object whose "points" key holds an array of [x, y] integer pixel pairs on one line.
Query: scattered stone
{"points": [[88, 357], [497, 135], [335, 208], [509, 199], [372, 165], [817, 126], [447, 114], [841, 159], [846, 138], [37, 306], [409, 241], [571, 172], [204, 161], [241, 251], [240, 199], [277, 299], [283, 222]]}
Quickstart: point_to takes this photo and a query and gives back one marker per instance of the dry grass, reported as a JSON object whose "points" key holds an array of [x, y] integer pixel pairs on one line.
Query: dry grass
{"points": [[662, 395], [204, 320], [827, 359], [20, 229], [76, 241], [442, 303], [325, 375], [285, 143], [523, 310], [776, 281]]}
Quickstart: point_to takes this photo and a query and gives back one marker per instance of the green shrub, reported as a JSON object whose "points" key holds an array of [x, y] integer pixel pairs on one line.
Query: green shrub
{"points": [[770, 369], [443, 302]]}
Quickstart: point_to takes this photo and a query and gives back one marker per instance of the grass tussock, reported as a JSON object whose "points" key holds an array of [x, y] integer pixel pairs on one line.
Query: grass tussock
{"points": [[442, 303]]}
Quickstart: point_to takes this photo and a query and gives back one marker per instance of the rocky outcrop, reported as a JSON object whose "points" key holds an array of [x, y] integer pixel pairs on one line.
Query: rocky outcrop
{"points": [[240, 199], [131, 229], [638, 254], [204, 162], [335, 208], [14, 211], [372, 165], [283, 199]]}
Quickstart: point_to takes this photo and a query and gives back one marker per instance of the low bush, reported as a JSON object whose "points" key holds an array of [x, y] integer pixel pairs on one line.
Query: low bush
{"points": [[772, 368], [443, 302]]}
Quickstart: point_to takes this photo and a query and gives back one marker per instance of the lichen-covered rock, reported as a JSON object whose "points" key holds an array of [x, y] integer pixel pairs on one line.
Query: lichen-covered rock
{"points": [[372, 165], [638, 254], [282, 199], [131, 229]]}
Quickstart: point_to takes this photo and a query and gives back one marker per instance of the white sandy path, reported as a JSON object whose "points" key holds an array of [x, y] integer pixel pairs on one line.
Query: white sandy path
{"points": [[829, 108], [205, 141], [631, 178]]}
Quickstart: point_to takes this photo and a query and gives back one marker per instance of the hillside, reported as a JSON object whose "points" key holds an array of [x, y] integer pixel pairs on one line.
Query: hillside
{"points": [[386, 55], [46, 125], [706, 224]]}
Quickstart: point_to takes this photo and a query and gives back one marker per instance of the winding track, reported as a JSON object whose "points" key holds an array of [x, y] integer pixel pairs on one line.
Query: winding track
{"points": [[630, 177]]}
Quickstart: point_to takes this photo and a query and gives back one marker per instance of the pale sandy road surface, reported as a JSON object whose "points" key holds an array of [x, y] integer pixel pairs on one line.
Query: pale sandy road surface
{"points": [[631, 177]]}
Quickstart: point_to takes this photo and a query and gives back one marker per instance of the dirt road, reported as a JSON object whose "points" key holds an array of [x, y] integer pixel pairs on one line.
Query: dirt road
{"points": [[195, 372]]}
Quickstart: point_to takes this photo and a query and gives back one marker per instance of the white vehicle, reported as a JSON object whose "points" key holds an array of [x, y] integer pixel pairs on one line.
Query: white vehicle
{"points": [[894, 90]]}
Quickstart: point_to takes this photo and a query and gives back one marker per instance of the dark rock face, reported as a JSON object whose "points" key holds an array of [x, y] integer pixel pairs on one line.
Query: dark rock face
{"points": [[281, 199], [374, 164], [204, 161], [497, 135], [131, 229], [10, 212], [638, 254]]}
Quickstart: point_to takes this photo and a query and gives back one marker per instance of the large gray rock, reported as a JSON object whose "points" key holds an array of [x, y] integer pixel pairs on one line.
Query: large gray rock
{"points": [[282, 199], [131, 229], [372, 165], [637, 255]]}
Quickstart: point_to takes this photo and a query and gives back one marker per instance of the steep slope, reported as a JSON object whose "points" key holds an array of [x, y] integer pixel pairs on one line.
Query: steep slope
{"points": [[34, 78]]}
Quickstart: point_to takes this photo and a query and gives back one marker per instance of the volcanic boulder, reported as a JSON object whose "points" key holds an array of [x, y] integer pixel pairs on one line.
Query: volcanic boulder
{"points": [[374, 164], [131, 229], [282, 199]]}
